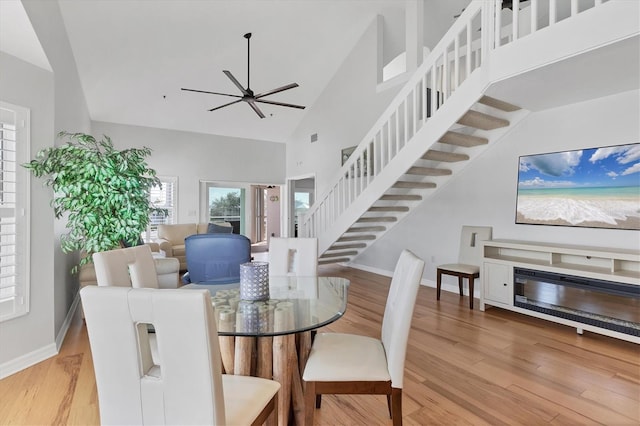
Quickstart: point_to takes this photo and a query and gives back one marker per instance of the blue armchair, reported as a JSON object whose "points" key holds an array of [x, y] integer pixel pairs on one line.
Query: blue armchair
{"points": [[215, 258]]}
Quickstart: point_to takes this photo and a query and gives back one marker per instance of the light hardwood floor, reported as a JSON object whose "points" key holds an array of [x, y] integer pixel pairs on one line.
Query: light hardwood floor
{"points": [[463, 367]]}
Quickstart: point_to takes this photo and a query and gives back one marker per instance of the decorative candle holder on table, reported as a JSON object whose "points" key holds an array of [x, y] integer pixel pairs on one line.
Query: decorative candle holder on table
{"points": [[254, 281]]}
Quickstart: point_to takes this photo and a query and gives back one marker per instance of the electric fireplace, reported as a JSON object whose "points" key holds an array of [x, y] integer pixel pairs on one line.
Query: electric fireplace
{"points": [[606, 304]]}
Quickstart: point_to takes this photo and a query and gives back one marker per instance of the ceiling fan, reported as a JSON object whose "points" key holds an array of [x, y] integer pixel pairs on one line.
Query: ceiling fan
{"points": [[247, 94]]}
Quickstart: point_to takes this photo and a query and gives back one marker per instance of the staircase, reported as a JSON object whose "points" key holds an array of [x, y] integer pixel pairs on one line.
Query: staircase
{"points": [[437, 124], [466, 139]]}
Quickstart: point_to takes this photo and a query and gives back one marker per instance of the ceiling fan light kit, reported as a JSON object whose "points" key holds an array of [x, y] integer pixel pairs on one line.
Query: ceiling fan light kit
{"points": [[247, 94]]}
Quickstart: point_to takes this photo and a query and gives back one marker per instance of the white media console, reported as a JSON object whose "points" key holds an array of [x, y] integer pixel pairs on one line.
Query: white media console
{"points": [[502, 257]]}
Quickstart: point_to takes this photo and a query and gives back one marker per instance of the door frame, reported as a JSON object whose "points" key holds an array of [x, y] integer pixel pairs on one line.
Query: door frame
{"points": [[289, 216]]}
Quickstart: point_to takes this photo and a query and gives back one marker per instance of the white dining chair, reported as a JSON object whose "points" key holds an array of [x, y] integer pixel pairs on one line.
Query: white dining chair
{"points": [[129, 267], [187, 387], [342, 363], [126, 267], [293, 256]]}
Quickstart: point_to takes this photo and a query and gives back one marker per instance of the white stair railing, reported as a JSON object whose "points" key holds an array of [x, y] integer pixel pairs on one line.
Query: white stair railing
{"points": [[462, 51]]}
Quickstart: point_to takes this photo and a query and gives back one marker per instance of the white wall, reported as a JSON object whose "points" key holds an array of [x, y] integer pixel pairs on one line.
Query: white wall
{"points": [[341, 116], [194, 157], [57, 103], [485, 192], [26, 85], [71, 114], [273, 212]]}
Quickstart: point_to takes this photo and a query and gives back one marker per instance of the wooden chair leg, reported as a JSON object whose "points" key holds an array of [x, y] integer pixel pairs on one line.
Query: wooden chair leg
{"points": [[309, 402], [471, 292], [460, 279], [396, 406], [438, 283], [318, 400], [389, 406]]}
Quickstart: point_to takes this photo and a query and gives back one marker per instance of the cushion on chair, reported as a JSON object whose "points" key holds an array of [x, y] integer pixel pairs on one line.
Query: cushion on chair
{"points": [[176, 233], [240, 393], [168, 265], [179, 250], [346, 357], [460, 268]]}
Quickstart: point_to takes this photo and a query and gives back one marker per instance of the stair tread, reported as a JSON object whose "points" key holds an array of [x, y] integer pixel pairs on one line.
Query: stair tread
{"points": [[337, 260], [400, 197], [497, 103], [346, 246], [460, 139], [339, 254], [407, 184], [357, 238], [449, 157], [366, 229], [428, 171], [389, 209], [480, 120], [378, 219]]}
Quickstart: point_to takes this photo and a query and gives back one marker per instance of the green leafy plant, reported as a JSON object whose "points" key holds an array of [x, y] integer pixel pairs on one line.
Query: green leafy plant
{"points": [[104, 192]]}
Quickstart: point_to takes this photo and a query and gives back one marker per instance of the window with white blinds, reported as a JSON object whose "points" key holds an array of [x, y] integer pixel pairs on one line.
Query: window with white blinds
{"points": [[14, 211], [161, 198]]}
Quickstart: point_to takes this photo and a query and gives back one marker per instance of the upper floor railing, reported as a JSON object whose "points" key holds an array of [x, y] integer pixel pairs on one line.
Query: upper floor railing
{"points": [[462, 51]]}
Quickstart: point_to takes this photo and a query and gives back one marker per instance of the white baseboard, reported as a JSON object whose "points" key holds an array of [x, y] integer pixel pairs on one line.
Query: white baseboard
{"points": [[67, 321], [453, 288], [371, 269], [27, 360]]}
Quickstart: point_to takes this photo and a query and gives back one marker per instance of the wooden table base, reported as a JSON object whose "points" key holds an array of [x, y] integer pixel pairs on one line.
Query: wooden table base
{"points": [[281, 358]]}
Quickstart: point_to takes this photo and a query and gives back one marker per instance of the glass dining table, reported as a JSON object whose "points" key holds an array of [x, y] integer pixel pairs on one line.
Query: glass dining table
{"points": [[272, 338]]}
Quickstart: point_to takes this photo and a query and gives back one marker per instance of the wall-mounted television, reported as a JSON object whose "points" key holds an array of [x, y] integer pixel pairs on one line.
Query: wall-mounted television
{"points": [[592, 188]]}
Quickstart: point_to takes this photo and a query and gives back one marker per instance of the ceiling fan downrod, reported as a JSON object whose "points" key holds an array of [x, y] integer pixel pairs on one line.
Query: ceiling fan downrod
{"points": [[248, 37]]}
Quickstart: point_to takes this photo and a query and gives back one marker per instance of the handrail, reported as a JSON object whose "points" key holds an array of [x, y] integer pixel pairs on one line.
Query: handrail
{"points": [[463, 50]]}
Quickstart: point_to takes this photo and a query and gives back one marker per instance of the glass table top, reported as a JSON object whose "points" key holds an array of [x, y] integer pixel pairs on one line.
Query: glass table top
{"points": [[295, 304]]}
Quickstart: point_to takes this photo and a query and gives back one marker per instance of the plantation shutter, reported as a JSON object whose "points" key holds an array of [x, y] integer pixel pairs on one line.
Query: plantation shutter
{"points": [[161, 198], [14, 198]]}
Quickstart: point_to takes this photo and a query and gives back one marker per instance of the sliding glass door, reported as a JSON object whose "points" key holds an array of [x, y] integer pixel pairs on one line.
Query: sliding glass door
{"points": [[226, 204]]}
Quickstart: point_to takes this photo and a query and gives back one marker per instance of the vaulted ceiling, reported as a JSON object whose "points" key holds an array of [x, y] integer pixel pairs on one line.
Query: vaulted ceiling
{"points": [[134, 57]]}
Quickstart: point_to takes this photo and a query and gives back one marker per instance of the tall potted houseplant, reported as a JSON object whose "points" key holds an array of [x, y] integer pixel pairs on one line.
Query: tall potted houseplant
{"points": [[103, 192]]}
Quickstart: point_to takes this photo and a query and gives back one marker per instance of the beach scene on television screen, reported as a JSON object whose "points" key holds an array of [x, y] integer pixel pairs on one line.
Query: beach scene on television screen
{"points": [[594, 188]]}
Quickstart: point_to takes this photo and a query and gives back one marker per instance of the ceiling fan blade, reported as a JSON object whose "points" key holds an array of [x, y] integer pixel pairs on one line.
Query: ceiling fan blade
{"points": [[236, 82], [264, 101], [253, 105], [222, 106], [278, 90], [211, 93]]}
